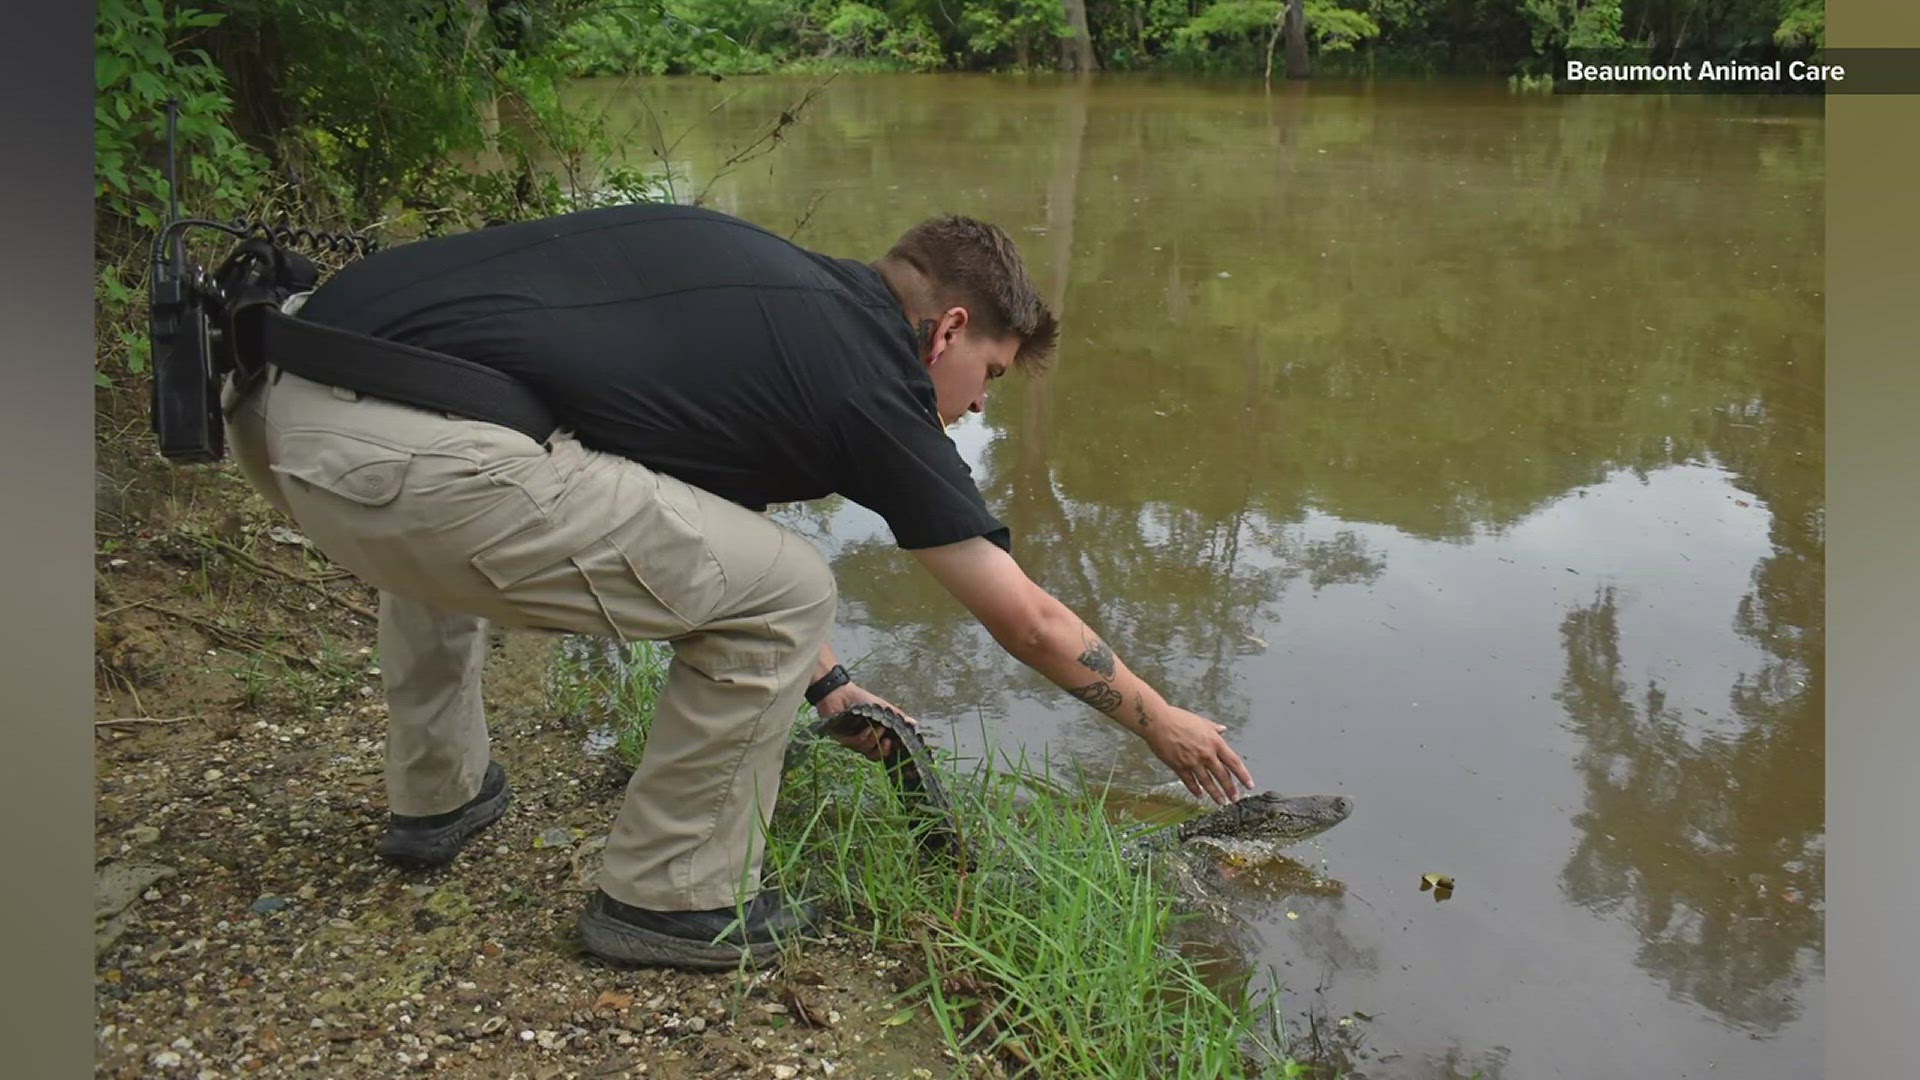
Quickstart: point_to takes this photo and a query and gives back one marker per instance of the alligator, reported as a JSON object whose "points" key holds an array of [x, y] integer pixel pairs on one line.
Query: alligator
{"points": [[1252, 828]]}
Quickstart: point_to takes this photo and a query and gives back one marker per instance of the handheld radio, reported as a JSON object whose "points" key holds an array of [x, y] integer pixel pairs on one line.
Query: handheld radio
{"points": [[191, 313]]}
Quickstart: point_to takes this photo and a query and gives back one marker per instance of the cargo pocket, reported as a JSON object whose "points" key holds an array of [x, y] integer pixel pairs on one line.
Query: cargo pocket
{"points": [[522, 552], [654, 574], [354, 468]]}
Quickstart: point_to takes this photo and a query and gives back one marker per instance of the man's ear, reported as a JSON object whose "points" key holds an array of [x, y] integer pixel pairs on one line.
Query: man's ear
{"points": [[951, 322]]}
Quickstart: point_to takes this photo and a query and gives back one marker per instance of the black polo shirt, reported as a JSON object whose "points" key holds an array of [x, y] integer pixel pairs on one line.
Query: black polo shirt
{"points": [[694, 343]]}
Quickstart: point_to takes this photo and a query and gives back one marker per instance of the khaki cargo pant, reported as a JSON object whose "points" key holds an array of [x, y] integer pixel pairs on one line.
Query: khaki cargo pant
{"points": [[457, 522]]}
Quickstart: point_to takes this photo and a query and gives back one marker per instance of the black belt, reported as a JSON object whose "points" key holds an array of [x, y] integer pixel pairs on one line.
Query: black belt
{"points": [[390, 370]]}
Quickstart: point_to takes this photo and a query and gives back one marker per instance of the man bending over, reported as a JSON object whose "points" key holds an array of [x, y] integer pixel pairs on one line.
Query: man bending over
{"points": [[701, 368]]}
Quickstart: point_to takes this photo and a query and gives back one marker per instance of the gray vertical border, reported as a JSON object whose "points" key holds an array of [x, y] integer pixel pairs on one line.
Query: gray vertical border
{"points": [[46, 501], [1873, 759], [1873, 620]]}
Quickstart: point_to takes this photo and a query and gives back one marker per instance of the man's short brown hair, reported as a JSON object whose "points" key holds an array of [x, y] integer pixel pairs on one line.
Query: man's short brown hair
{"points": [[969, 263]]}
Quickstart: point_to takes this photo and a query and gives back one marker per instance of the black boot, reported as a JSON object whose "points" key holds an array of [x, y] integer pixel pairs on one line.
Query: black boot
{"points": [[716, 939], [433, 841]]}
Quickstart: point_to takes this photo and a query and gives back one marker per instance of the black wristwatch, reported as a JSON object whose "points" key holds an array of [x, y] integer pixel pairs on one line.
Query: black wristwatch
{"points": [[835, 678]]}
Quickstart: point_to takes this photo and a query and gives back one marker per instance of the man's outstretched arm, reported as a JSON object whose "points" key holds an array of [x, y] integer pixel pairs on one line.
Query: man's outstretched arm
{"points": [[1043, 633]]}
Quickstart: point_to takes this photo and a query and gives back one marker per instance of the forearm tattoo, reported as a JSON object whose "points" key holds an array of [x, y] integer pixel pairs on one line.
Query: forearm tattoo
{"points": [[1099, 694], [1098, 658], [1140, 710]]}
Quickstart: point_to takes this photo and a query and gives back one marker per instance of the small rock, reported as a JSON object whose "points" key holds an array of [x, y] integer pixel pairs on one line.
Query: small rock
{"points": [[166, 1059], [785, 1072], [267, 905], [554, 838], [697, 1025], [143, 834]]}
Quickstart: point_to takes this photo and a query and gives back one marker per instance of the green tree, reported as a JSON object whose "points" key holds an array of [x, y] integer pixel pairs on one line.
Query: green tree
{"points": [[1559, 25], [145, 55], [1240, 33], [1015, 30], [1802, 23]]}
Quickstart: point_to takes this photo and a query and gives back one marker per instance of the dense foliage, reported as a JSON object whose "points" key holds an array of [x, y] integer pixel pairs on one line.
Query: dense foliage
{"points": [[728, 36], [344, 112]]}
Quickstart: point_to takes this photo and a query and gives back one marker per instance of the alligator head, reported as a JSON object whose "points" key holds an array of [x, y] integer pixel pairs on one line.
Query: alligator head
{"points": [[1270, 816]]}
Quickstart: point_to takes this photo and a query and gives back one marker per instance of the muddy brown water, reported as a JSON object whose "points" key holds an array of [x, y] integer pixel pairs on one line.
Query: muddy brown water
{"points": [[1460, 450]]}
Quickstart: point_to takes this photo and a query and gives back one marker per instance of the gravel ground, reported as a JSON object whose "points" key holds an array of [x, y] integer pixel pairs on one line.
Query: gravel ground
{"points": [[248, 930]]}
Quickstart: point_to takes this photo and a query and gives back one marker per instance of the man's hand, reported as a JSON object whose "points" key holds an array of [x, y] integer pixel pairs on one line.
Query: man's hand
{"points": [[1041, 632], [869, 742], [1193, 747]]}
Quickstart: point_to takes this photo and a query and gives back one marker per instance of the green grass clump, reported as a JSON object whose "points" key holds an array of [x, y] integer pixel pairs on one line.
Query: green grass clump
{"points": [[610, 685], [1047, 948]]}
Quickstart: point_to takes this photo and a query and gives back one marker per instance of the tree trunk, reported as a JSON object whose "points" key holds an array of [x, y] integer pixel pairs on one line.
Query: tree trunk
{"points": [[1076, 49], [1273, 38], [487, 108], [1295, 32]]}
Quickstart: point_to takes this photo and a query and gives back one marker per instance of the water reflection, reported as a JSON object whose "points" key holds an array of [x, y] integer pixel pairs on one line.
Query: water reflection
{"points": [[1709, 846], [1178, 594], [1711, 843]]}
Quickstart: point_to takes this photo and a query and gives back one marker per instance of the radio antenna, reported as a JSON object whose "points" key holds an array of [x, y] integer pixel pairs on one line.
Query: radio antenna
{"points": [[173, 183]]}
